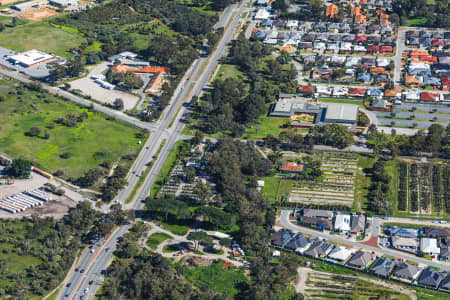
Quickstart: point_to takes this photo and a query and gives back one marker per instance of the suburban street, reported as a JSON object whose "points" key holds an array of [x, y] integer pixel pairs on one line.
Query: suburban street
{"points": [[174, 112], [285, 222]]}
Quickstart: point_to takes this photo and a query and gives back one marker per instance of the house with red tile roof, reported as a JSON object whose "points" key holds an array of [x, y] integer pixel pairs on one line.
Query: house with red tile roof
{"points": [[446, 81], [373, 48], [357, 92], [378, 70], [386, 49], [307, 89], [291, 167], [429, 97], [437, 43], [361, 38], [360, 19], [428, 58]]}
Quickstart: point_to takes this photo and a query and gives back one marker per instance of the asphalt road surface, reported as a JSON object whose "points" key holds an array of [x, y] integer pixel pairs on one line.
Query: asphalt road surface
{"points": [[284, 220]]}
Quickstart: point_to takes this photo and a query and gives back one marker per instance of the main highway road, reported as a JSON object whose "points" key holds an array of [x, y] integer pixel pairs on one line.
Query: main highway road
{"points": [[285, 222], [199, 73]]}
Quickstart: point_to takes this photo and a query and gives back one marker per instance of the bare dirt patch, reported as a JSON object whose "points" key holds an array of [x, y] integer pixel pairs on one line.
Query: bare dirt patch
{"points": [[195, 261], [56, 208], [39, 14]]}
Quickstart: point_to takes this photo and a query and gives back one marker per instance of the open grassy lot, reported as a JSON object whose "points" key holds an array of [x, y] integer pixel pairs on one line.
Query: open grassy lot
{"points": [[218, 279], [41, 36], [266, 125], [229, 71], [157, 238], [88, 143], [419, 21]]}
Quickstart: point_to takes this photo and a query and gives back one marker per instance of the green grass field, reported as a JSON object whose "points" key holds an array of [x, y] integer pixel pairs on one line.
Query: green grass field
{"points": [[218, 279], [417, 21], [270, 188], [266, 125], [90, 143], [41, 36], [157, 238], [229, 71]]}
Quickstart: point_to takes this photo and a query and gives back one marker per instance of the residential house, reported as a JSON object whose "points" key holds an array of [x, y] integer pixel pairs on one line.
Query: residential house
{"points": [[353, 61], [378, 70], [260, 34], [386, 49], [432, 81], [382, 267], [361, 259], [333, 26], [323, 37], [319, 46], [342, 223], [317, 213], [384, 19], [379, 104], [350, 72], [280, 238], [368, 61], [267, 23], [348, 38], [431, 278], [445, 284], [429, 246], [346, 46], [307, 89], [334, 37], [413, 42], [340, 91], [333, 46], [332, 11], [360, 19], [341, 253], [305, 45], [292, 24], [293, 168], [401, 231], [361, 38], [445, 252], [318, 223], [388, 40], [405, 244], [383, 62], [357, 92], [324, 90], [364, 77], [406, 271], [411, 95], [322, 73], [412, 80], [338, 60], [373, 28], [445, 81], [299, 243], [309, 37], [345, 27], [429, 97], [377, 93], [318, 249], [382, 78], [358, 223], [319, 27], [359, 48], [373, 48], [373, 39], [262, 14]]}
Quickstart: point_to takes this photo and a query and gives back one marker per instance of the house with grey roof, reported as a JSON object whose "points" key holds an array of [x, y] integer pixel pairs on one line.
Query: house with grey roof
{"points": [[410, 245], [319, 249], [361, 259], [431, 278], [406, 271], [445, 284], [299, 243], [317, 213], [382, 267], [357, 224]]}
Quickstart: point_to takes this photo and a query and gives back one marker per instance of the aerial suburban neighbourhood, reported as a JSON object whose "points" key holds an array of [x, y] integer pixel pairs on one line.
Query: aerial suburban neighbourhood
{"points": [[224, 149]]}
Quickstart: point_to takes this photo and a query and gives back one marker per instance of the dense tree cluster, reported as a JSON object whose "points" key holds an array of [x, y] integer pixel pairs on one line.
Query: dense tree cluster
{"points": [[125, 80], [20, 168], [436, 14], [234, 103], [54, 243], [114, 183], [435, 141], [379, 188], [335, 135]]}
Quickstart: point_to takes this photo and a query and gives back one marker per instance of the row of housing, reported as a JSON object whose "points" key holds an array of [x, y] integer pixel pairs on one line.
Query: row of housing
{"points": [[361, 260], [330, 220], [425, 240], [24, 200]]}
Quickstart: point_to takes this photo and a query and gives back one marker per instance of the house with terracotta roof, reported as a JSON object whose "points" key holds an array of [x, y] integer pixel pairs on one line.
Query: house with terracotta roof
{"points": [[357, 92], [390, 93], [307, 89], [417, 53], [355, 10], [332, 11], [429, 97], [411, 80], [384, 19], [288, 48], [426, 58], [360, 19], [386, 49], [378, 70], [291, 167], [446, 81]]}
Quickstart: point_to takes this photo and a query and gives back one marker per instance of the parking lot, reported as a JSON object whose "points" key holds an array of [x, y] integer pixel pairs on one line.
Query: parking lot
{"points": [[88, 87]]}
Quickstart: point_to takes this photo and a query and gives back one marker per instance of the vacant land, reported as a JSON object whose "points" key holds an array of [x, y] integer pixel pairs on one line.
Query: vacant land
{"points": [[39, 14], [229, 71], [70, 149], [217, 278], [41, 36], [157, 238]]}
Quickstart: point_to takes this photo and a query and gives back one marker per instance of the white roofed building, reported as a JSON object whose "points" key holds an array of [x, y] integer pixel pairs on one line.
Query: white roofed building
{"points": [[342, 223], [31, 58]]}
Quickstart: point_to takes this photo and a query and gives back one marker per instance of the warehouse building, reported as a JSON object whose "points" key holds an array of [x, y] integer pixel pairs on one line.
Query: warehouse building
{"points": [[305, 114], [25, 6], [31, 58]]}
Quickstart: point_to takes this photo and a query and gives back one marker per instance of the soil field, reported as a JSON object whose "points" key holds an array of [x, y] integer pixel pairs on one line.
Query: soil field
{"points": [[39, 14]]}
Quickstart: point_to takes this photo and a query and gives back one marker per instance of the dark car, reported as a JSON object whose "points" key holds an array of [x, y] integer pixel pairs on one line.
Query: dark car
{"points": [[91, 282]]}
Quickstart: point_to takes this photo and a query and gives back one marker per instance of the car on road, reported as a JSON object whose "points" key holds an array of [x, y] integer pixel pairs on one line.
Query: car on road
{"points": [[92, 250], [106, 249], [86, 290], [91, 282], [69, 284], [82, 271]]}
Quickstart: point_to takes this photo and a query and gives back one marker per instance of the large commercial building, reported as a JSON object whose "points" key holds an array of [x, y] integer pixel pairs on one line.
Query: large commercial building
{"points": [[31, 58], [306, 114], [24, 6]]}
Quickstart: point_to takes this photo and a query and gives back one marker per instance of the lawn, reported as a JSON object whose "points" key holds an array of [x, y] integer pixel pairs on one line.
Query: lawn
{"points": [[89, 143], [266, 125], [229, 71], [157, 238], [270, 189], [419, 21], [223, 281], [41, 36], [349, 101], [175, 229]]}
